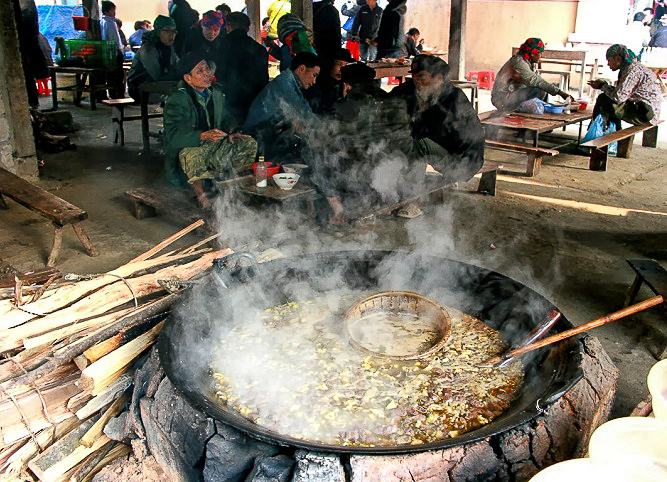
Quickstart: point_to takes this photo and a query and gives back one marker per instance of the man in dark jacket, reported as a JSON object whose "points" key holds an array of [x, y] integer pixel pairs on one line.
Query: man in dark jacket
{"points": [[326, 29], [156, 59], [365, 26], [205, 35], [243, 69], [659, 38], [364, 155], [445, 126], [391, 33], [185, 17], [199, 141], [328, 86]]}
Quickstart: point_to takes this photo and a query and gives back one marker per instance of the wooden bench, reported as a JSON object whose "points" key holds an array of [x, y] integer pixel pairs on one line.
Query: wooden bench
{"points": [[149, 201], [434, 189], [625, 138], [534, 154], [59, 211], [651, 273], [118, 116]]}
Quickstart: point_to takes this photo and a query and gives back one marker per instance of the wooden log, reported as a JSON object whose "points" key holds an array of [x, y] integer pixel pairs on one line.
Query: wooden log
{"points": [[66, 354], [18, 461], [25, 361], [66, 294], [96, 430], [163, 244], [89, 463], [106, 299], [97, 322], [54, 463], [118, 451], [31, 277], [108, 368], [97, 351], [12, 422], [105, 397]]}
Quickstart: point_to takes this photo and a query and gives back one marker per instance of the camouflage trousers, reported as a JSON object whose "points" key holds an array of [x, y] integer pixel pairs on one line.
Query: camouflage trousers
{"points": [[217, 160]]}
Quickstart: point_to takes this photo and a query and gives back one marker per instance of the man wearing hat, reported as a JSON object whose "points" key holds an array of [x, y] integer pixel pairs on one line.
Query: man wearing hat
{"points": [[445, 127], [156, 59], [244, 66], [518, 81], [281, 117], [205, 35], [328, 87], [200, 144]]}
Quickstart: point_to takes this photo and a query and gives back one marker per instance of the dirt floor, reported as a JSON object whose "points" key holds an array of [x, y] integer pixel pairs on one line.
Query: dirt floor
{"points": [[574, 255]]}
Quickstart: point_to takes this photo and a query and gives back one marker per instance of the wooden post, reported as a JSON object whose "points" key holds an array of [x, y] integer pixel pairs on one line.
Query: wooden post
{"points": [[457, 34], [255, 20], [304, 9], [598, 159], [650, 137], [57, 243]]}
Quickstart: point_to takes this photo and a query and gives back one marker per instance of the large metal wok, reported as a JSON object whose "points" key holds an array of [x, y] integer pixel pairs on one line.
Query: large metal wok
{"points": [[210, 310]]}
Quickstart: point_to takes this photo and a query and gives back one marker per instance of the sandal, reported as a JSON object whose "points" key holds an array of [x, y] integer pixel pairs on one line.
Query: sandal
{"points": [[410, 211]]}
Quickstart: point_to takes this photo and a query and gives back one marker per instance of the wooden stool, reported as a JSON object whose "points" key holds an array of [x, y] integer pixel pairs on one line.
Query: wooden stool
{"points": [[59, 211], [118, 116], [654, 276]]}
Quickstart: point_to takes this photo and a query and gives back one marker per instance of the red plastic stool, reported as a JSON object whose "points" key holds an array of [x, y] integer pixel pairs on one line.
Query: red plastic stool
{"points": [[484, 78], [392, 81], [43, 86]]}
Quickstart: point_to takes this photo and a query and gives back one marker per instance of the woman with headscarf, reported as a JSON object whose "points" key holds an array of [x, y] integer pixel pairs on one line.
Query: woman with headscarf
{"points": [[518, 80], [294, 35], [636, 97], [205, 35]]}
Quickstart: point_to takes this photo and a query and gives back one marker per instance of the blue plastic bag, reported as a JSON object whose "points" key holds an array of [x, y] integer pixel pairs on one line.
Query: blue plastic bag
{"points": [[347, 26], [596, 129]]}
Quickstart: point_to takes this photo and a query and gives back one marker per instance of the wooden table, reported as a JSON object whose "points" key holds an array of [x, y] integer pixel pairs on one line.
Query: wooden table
{"points": [[386, 69], [301, 193], [474, 91], [148, 88], [526, 125], [574, 117], [82, 74], [659, 72]]}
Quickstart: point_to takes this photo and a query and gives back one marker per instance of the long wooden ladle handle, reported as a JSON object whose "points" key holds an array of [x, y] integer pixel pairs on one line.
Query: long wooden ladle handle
{"points": [[617, 315]]}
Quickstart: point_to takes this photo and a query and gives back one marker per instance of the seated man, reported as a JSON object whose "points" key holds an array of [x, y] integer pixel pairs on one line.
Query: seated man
{"points": [[636, 98], [156, 59], [364, 154], [328, 88], [199, 142], [412, 46], [518, 82], [445, 126], [280, 116]]}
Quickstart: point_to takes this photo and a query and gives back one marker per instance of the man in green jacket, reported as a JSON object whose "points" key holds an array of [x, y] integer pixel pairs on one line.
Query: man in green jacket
{"points": [[198, 131]]}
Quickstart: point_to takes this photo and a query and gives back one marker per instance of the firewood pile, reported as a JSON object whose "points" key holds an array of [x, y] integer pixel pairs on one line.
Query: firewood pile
{"points": [[68, 348]]}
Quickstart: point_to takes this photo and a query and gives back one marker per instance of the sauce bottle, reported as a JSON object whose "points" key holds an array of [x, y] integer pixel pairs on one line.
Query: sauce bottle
{"points": [[261, 172]]}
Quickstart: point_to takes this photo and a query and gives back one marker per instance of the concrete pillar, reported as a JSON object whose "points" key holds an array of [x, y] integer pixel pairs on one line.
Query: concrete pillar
{"points": [[17, 144], [304, 9], [457, 35]]}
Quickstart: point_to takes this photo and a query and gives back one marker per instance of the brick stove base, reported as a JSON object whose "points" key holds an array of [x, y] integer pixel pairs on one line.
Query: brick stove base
{"points": [[189, 446]]}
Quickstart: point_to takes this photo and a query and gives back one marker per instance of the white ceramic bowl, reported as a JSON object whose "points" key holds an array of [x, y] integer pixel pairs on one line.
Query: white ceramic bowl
{"points": [[286, 180], [588, 470], [630, 437], [657, 385]]}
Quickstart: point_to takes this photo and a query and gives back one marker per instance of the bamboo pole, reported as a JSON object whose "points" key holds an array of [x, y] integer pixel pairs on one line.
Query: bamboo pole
{"points": [[617, 315]]}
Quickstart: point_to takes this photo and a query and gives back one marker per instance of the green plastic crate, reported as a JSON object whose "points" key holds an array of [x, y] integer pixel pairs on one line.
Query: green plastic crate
{"points": [[90, 53]]}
